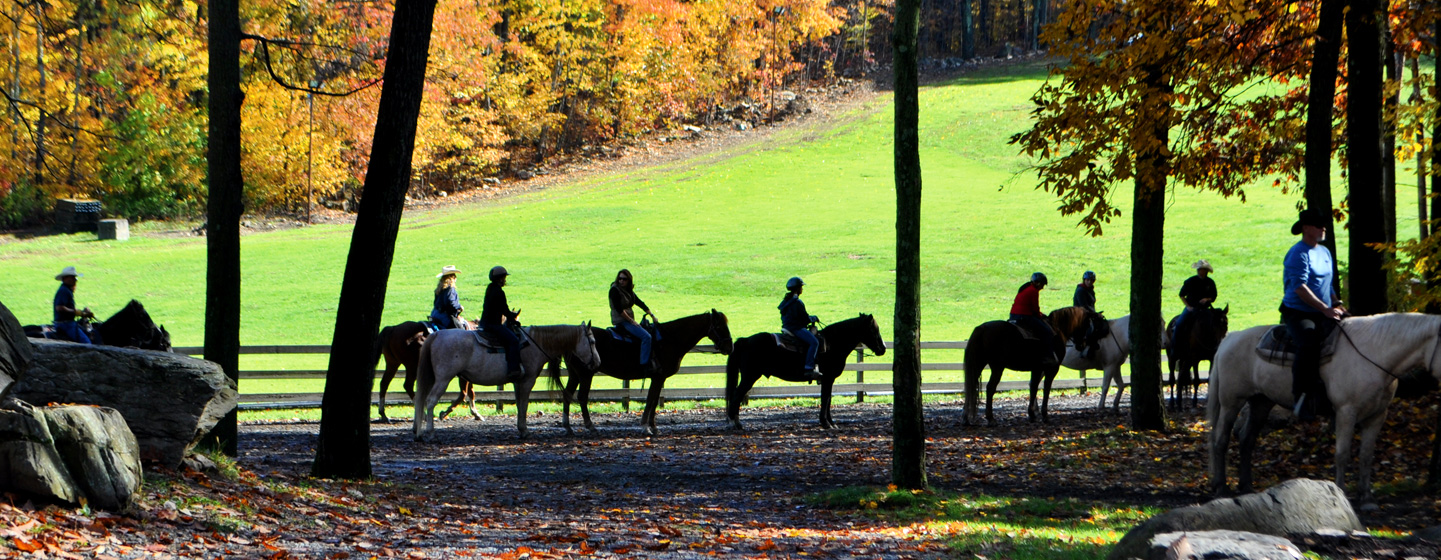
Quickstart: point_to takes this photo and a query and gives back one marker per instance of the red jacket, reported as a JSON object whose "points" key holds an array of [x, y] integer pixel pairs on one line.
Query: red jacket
{"points": [[1028, 302]]}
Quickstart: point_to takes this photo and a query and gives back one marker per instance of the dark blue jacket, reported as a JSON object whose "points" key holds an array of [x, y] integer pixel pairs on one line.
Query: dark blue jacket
{"points": [[447, 303], [65, 297], [793, 313]]}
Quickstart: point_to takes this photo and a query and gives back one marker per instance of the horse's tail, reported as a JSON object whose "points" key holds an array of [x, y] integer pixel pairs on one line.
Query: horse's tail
{"points": [[1213, 392], [379, 349], [553, 371]]}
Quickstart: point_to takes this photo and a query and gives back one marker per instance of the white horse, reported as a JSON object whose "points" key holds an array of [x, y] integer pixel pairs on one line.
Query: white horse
{"points": [[1360, 381], [452, 352], [1111, 352]]}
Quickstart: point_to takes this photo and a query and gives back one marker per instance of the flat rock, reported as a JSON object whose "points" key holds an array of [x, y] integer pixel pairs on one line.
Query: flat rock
{"points": [[170, 401], [15, 350], [1221, 545], [1297, 506]]}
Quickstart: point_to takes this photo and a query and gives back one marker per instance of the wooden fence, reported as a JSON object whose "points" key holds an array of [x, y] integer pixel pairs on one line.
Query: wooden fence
{"points": [[859, 389]]}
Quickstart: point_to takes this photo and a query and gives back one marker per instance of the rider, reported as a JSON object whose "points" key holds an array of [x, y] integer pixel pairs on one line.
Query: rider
{"points": [[1085, 298], [796, 322], [622, 298], [494, 314], [1026, 313], [65, 312], [1310, 304], [1197, 291], [447, 306]]}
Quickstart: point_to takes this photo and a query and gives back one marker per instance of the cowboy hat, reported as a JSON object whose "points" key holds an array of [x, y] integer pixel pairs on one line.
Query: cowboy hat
{"points": [[1308, 217], [69, 271], [447, 269], [1203, 263]]}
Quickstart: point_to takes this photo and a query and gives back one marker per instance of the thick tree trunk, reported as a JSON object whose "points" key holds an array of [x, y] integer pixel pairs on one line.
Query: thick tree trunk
{"points": [[81, 12], [1435, 137], [1318, 113], [983, 26], [908, 462], [968, 31], [1148, 230], [1388, 138], [39, 161], [343, 449], [224, 207], [1416, 97], [1367, 221]]}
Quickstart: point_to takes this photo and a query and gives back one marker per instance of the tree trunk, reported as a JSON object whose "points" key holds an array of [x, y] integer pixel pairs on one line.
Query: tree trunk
{"points": [[39, 172], [1148, 230], [1388, 137], [908, 462], [81, 12], [1435, 136], [968, 31], [1367, 222], [224, 207], [1318, 114], [1420, 155], [343, 449], [983, 26]]}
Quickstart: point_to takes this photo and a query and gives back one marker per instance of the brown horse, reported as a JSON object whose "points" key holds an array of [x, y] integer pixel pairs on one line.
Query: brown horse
{"points": [[1000, 346], [400, 346], [1187, 350], [621, 360]]}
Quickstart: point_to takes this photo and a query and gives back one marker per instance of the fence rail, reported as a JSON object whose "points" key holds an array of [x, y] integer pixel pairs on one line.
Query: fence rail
{"points": [[859, 389]]}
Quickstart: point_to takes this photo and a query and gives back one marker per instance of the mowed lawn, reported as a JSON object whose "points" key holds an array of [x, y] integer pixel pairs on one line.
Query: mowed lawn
{"points": [[722, 230]]}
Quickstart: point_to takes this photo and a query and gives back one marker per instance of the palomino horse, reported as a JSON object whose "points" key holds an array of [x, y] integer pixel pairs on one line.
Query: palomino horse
{"points": [[454, 352], [999, 346], [130, 327], [1360, 381], [622, 360], [758, 355], [1203, 335], [1111, 352], [400, 346]]}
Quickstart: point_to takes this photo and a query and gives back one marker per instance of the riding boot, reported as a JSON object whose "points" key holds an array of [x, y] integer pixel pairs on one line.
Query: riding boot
{"points": [[812, 374], [515, 375]]}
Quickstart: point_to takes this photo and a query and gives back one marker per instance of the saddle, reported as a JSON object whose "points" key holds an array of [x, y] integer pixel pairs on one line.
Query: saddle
{"points": [[494, 346], [625, 336], [1026, 334], [1277, 346], [788, 342]]}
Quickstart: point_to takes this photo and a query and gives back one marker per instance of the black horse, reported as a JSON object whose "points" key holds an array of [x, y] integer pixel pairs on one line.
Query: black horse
{"points": [[759, 355], [1187, 350], [130, 327], [621, 359], [1000, 346]]}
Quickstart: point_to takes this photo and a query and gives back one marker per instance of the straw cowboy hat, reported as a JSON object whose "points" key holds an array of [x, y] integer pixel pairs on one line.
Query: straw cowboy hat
{"points": [[447, 269], [1203, 263], [69, 271]]}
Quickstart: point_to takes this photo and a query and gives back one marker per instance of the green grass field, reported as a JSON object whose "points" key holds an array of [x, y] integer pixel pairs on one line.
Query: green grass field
{"points": [[721, 231]]}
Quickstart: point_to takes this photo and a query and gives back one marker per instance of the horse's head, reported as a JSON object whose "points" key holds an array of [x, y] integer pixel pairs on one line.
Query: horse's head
{"points": [[159, 340], [585, 347], [1223, 324], [1069, 322], [720, 332], [874, 340]]}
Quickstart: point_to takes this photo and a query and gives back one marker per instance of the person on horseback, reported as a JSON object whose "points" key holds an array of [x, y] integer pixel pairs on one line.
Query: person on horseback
{"points": [[495, 313], [622, 299], [1026, 313], [1197, 291], [1310, 307], [447, 309], [796, 322], [1085, 298], [65, 326]]}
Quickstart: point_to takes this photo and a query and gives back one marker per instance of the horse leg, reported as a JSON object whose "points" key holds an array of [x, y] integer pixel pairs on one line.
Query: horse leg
{"points": [[566, 394], [991, 387], [972, 390], [1035, 386], [747, 381], [1105, 388], [584, 399], [459, 398], [1046, 397], [385, 384], [1370, 430], [1171, 378], [1221, 424], [522, 403], [467, 390], [1114, 372], [1345, 438], [1260, 411], [826, 422], [1196, 383]]}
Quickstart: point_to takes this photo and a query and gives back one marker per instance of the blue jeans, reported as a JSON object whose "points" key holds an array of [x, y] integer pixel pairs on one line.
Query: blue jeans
{"points": [[812, 345], [503, 335], [441, 321], [70, 330], [1181, 320], [639, 334]]}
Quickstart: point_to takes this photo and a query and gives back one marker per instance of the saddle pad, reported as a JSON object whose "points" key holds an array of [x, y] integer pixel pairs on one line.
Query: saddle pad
{"points": [[790, 343], [617, 334], [1277, 347], [495, 347]]}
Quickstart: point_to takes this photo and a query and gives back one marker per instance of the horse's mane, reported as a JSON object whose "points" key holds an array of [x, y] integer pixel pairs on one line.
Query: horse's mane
{"points": [[1067, 319], [133, 312], [554, 336], [1389, 329]]}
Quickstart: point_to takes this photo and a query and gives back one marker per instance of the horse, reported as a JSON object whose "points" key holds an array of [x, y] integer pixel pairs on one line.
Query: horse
{"points": [[1111, 351], [1000, 346], [1207, 327], [621, 360], [1360, 379], [130, 327], [400, 346], [454, 352], [758, 355]]}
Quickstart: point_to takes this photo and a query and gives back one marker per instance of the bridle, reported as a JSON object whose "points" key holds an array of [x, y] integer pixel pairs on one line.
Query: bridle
{"points": [[1340, 327]]}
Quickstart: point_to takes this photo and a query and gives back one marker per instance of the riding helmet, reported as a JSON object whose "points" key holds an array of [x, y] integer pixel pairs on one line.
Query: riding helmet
{"points": [[1088, 275], [498, 272], [1040, 279], [794, 282]]}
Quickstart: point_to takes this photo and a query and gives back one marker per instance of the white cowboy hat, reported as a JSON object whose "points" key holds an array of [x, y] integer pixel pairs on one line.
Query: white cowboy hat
{"points": [[1203, 264], [69, 271], [447, 269]]}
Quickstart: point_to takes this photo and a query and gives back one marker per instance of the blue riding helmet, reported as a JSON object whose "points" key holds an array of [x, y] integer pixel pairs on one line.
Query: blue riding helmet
{"points": [[497, 272], [794, 282], [1039, 278], [1088, 275]]}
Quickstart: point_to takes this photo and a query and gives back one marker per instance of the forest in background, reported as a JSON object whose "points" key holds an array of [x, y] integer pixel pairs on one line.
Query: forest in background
{"points": [[107, 100]]}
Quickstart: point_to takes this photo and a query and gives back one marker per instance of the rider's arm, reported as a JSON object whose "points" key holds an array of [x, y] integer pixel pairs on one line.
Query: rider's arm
{"points": [[1309, 298], [618, 304]]}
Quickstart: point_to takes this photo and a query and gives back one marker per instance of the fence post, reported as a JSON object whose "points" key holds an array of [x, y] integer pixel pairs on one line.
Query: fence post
{"points": [[500, 399], [860, 375], [625, 400]]}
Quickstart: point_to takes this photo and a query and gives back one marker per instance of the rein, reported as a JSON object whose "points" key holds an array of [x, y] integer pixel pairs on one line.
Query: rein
{"points": [[1363, 355]]}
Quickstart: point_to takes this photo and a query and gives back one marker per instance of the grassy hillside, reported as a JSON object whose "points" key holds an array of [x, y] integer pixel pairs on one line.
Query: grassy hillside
{"points": [[724, 231]]}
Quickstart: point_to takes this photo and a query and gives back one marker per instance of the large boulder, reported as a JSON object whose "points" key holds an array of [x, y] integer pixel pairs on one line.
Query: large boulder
{"points": [[1297, 506], [1221, 545], [169, 400], [64, 454], [15, 351]]}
